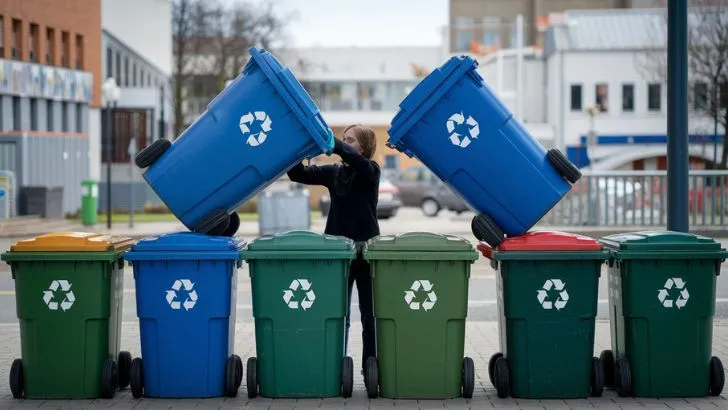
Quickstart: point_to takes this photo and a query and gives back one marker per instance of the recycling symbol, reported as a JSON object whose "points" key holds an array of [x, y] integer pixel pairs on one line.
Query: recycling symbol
{"points": [[410, 296], [664, 293], [458, 136], [189, 301], [305, 287], [68, 296], [543, 294], [258, 121]]}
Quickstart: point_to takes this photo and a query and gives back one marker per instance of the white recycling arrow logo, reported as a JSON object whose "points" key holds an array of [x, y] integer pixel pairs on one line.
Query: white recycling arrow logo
{"points": [[664, 293], [410, 296], [456, 138], [263, 127], [305, 287], [190, 300], [543, 294], [68, 297]]}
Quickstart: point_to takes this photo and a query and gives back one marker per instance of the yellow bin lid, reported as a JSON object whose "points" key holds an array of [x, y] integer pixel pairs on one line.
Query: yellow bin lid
{"points": [[73, 242]]}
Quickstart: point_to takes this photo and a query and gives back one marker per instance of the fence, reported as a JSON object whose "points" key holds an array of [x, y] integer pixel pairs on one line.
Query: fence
{"points": [[639, 198]]}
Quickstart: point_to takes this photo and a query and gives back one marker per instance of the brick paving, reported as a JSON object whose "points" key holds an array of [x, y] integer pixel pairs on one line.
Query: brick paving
{"points": [[481, 342]]}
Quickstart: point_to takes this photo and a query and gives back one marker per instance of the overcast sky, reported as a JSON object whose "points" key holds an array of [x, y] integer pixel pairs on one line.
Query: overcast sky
{"points": [[366, 23]]}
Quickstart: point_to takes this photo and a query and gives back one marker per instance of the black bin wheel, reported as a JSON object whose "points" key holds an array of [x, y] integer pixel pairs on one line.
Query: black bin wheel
{"points": [[124, 369], [563, 166], [468, 378], [238, 370], [491, 366], [371, 374], [347, 376], [502, 377], [231, 377], [109, 378], [136, 378], [251, 369], [214, 224], [717, 376], [233, 225], [597, 378], [16, 379], [623, 377], [607, 359], [486, 230], [152, 153]]}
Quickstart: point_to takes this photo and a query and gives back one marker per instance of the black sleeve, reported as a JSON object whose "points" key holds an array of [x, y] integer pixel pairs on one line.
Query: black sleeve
{"points": [[368, 169], [312, 174]]}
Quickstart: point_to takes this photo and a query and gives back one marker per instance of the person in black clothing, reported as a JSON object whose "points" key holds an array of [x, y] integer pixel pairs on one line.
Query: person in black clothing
{"points": [[354, 191]]}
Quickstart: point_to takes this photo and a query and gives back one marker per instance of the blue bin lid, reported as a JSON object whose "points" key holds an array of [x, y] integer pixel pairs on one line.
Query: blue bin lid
{"points": [[291, 90], [186, 245], [427, 93]]}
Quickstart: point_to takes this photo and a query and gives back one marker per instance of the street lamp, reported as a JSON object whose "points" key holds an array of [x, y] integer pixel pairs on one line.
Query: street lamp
{"points": [[112, 94], [592, 111]]}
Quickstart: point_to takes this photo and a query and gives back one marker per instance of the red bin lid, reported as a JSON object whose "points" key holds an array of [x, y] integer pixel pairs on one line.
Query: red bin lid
{"points": [[545, 241]]}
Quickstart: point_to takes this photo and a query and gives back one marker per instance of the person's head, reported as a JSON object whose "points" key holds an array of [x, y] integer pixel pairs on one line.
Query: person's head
{"points": [[362, 139]]}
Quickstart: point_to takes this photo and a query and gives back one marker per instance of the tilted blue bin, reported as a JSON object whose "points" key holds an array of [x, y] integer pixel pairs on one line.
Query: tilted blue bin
{"points": [[454, 123], [256, 129], [185, 296]]}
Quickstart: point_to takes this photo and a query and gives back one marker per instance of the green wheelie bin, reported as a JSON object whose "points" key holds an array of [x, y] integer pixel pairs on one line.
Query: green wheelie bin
{"points": [[661, 307], [299, 287], [69, 290], [420, 291], [547, 304]]}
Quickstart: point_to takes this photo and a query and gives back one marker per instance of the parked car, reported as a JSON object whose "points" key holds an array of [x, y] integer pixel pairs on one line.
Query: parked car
{"points": [[420, 187], [387, 206], [442, 197]]}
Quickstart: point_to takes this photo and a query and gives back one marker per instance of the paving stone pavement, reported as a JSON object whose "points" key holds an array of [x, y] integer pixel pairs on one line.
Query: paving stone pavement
{"points": [[481, 343]]}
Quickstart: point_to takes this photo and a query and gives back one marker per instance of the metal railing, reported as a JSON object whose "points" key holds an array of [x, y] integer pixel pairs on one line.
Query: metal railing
{"points": [[639, 198]]}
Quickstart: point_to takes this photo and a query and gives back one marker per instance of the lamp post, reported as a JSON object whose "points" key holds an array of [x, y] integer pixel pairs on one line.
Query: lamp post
{"points": [[591, 137], [112, 94]]}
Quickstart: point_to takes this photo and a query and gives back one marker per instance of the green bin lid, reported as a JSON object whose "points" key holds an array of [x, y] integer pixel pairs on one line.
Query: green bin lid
{"points": [[662, 242], [420, 246], [300, 245]]}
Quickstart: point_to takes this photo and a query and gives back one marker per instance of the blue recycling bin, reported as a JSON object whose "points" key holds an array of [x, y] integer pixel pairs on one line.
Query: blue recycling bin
{"points": [[185, 296], [454, 123], [256, 129]]}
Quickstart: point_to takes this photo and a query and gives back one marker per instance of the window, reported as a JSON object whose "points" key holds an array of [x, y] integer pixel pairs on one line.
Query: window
{"points": [[576, 104], [79, 118], [149, 80], [601, 94], [627, 97], [391, 161], [79, 52], [2, 37], [117, 74], [126, 72], [34, 114], [700, 96], [463, 33], [15, 52], [133, 75], [65, 49], [491, 38], [50, 46], [654, 94], [34, 43], [64, 116], [109, 62], [16, 114], [49, 115], [724, 95]]}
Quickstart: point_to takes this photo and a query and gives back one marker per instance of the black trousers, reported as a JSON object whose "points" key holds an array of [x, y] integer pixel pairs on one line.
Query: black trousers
{"points": [[360, 274]]}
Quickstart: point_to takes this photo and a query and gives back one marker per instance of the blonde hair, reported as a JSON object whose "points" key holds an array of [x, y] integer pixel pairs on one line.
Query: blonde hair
{"points": [[366, 137]]}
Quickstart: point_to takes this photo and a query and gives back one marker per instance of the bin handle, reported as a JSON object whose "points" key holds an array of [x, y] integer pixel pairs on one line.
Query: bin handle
{"points": [[486, 250]]}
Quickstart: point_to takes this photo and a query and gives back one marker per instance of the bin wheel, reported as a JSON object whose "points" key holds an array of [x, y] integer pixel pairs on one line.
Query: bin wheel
{"points": [[717, 376], [468, 378], [371, 374], [214, 224], [491, 366], [136, 378], [607, 358], [109, 378], [502, 377], [597, 378], [486, 230], [347, 376], [233, 225], [251, 369], [563, 166], [623, 377], [16, 379], [238, 370], [152, 153], [124, 369], [231, 376]]}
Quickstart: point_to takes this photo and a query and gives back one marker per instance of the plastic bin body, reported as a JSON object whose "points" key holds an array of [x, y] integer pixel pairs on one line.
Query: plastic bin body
{"points": [[216, 165], [420, 344], [68, 290], [185, 294], [666, 337], [503, 173], [89, 202], [547, 304], [299, 286]]}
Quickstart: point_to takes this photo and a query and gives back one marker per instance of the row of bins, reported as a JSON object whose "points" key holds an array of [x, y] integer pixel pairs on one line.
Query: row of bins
{"points": [[69, 300]]}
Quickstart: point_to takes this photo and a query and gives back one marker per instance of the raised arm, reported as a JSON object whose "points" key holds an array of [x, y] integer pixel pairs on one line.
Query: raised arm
{"points": [[367, 169], [312, 174]]}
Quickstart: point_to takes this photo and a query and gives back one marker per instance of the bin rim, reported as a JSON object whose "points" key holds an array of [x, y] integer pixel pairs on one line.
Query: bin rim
{"points": [[545, 245], [412, 251], [71, 242], [186, 246], [274, 246]]}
